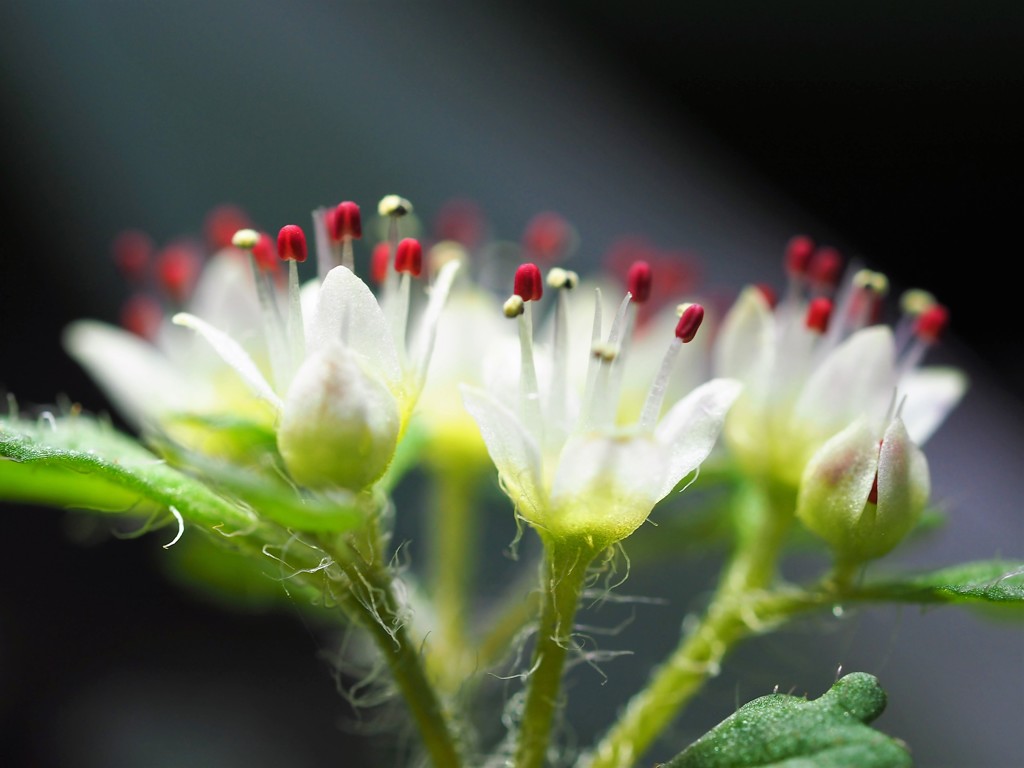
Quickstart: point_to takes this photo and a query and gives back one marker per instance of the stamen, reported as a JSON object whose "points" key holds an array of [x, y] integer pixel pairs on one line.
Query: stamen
{"points": [[325, 251], [529, 390], [689, 322], [514, 306], [913, 303], [638, 281], [825, 269], [409, 257], [177, 267], [261, 247], [602, 405], [686, 330], [932, 323], [819, 311], [799, 251], [528, 284], [860, 305], [291, 244], [558, 401], [345, 225], [142, 315], [392, 207], [379, 262]]}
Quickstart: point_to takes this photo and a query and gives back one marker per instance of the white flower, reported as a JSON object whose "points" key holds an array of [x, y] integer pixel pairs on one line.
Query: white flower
{"points": [[342, 380], [568, 467], [810, 371]]}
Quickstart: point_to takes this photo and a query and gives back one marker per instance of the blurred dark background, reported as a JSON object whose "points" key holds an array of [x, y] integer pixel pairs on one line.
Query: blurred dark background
{"points": [[887, 129]]}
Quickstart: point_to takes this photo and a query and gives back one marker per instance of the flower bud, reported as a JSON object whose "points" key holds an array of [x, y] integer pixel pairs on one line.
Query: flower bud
{"points": [[862, 497], [339, 426]]}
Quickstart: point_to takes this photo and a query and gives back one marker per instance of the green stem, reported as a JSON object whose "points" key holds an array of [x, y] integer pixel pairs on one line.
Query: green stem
{"points": [[370, 599], [565, 573], [452, 539], [741, 605]]}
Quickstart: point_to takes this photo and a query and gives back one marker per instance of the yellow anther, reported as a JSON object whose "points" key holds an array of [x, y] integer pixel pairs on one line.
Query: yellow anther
{"points": [[562, 278], [514, 306], [245, 239], [681, 308], [602, 350], [393, 205], [443, 252], [915, 301], [875, 282]]}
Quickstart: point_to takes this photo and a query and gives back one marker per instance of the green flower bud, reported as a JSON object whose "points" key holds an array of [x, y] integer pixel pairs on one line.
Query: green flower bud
{"points": [[861, 495], [339, 426]]}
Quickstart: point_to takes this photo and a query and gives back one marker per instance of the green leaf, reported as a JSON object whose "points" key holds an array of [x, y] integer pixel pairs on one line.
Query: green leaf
{"points": [[79, 462], [993, 582], [784, 731]]}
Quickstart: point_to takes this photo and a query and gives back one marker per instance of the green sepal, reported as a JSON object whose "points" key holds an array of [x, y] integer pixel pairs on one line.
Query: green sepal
{"points": [[79, 462], [987, 582], [783, 731]]}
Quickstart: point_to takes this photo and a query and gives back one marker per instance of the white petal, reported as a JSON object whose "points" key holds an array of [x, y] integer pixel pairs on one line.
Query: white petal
{"points": [[512, 449], [424, 344], [136, 376], [347, 311], [856, 379], [233, 355], [605, 485], [688, 432], [931, 393], [746, 339], [225, 294]]}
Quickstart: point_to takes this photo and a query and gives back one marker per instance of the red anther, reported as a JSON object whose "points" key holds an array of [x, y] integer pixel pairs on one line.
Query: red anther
{"points": [[689, 322], [819, 312], [638, 281], [528, 284], [222, 223], [379, 262], [265, 253], [799, 250], [177, 267], [133, 250], [768, 293], [548, 237], [462, 221], [931, 323], [409, 257], [826, 267], [291, 243], [142, 315], [344, 221]]}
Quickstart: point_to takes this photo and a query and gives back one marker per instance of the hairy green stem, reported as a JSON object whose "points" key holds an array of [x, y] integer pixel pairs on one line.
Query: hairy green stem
{"points": [[370, 600], [566, 567], [741, 606]]}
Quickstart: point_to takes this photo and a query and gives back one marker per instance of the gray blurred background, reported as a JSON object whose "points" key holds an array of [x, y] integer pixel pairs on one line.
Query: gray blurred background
{"points": [[719, 128]]}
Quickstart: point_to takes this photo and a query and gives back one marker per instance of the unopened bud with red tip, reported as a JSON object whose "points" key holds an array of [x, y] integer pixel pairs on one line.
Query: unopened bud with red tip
{"points": [[528, 284], [825, 268], [689, 322], [819, 312], [931, 323], [638, 281], [291, 243], [344, 221], [799, 251], [409, 257]]}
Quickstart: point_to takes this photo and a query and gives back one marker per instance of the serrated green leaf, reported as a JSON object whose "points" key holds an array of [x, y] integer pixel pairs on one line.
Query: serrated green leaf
{"points": [[76, 461], [994, 582], [781, 731]]}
